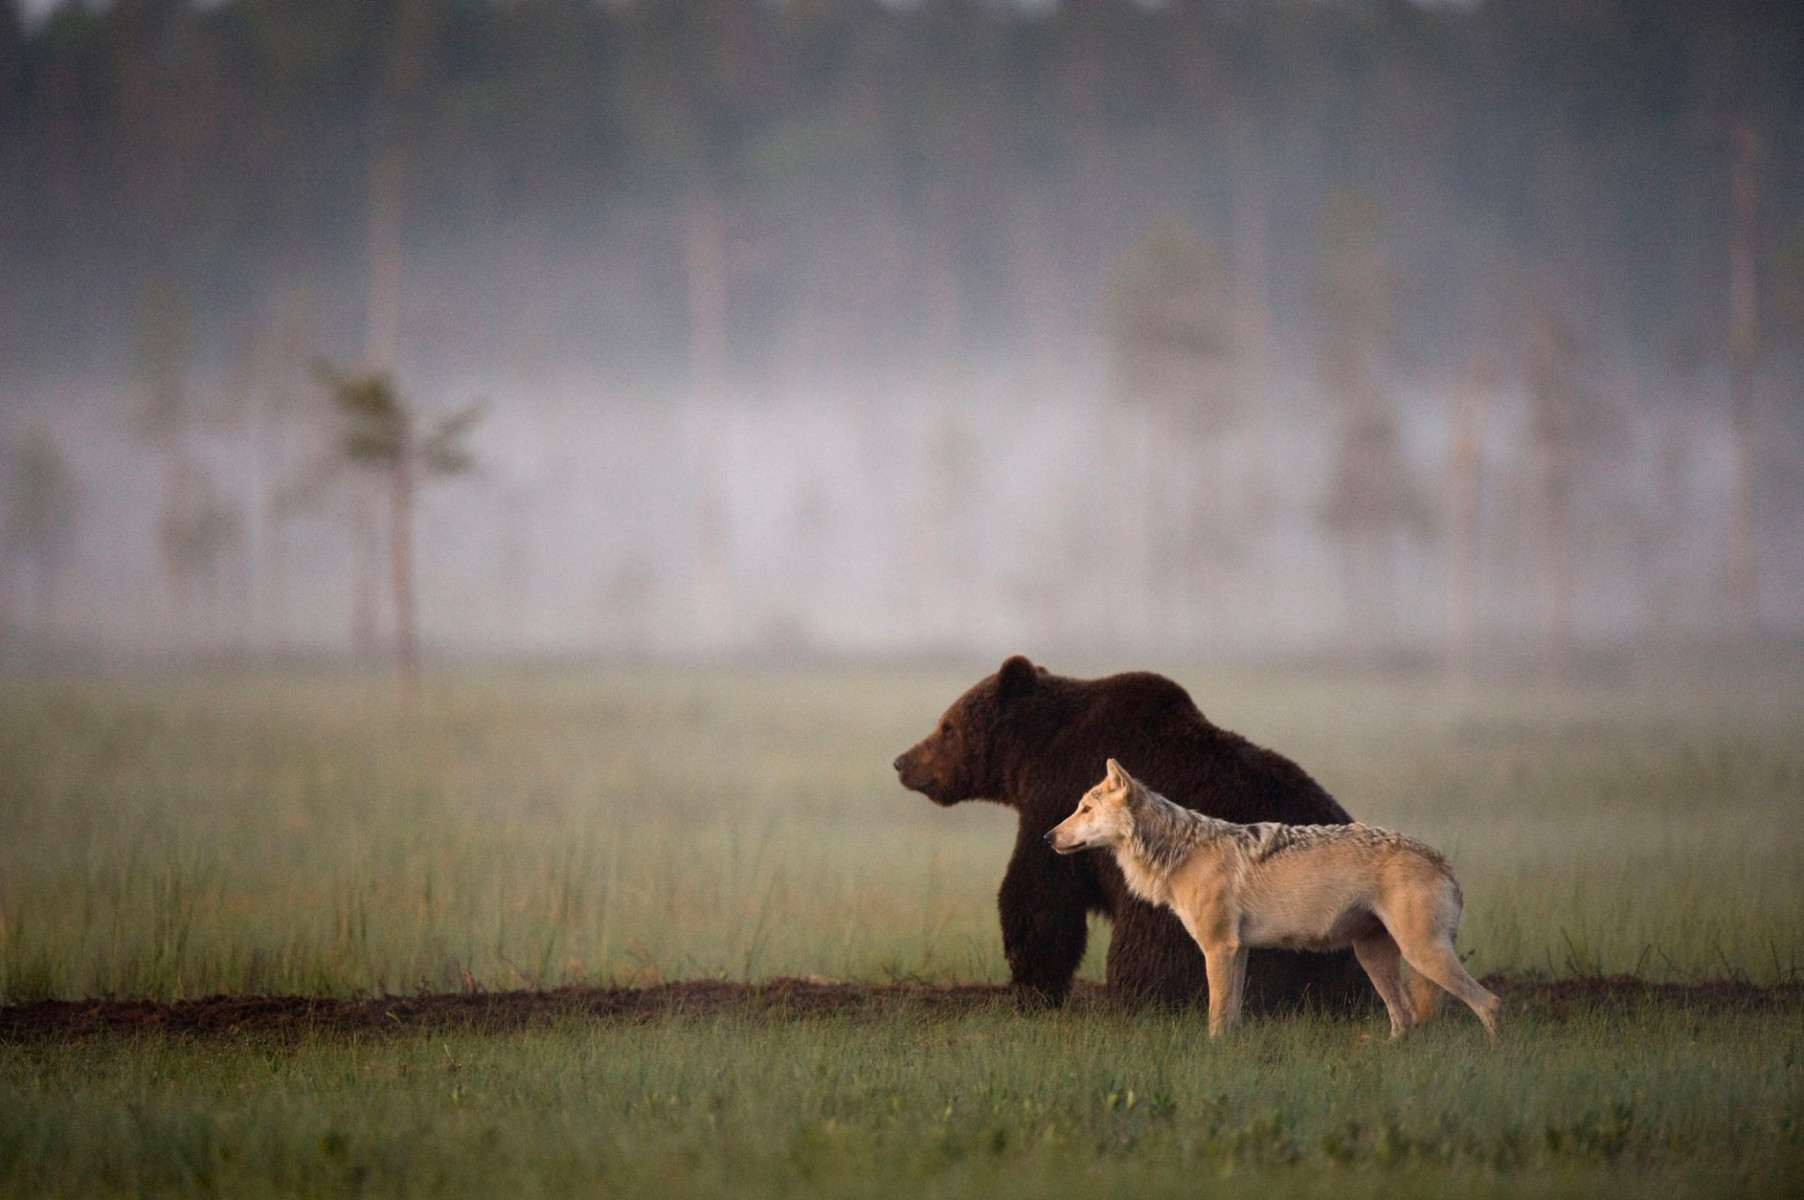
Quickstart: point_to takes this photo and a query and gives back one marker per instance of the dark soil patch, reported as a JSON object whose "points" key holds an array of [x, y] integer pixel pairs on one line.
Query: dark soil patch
{"points": [[777, 998], [1566, 997], [292, 1016]]}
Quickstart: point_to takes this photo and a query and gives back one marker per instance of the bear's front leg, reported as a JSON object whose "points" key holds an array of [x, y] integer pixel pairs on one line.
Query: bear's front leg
{"points": [[1043, 921]]}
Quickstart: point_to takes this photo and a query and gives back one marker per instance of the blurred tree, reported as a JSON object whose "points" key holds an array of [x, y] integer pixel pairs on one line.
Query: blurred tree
{"points": [[400, 104], [1574, 430], [198, 532], [381, 432], [1556, 399], [191, 532], [12, 55], [43, 503], [164, 410], [945, 570], [1788, 272], [698, 97], [1465, 468], [1744, 348], [1170, 327], [1372, 498], [269, 373], [1783, 448]]}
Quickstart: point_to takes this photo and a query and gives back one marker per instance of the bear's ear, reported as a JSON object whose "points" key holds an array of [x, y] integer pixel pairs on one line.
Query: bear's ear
{"points": [[1016, 678]]}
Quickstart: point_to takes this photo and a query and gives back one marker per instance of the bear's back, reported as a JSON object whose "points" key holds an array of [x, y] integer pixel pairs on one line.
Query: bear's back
{"points": [[1150, 724]]}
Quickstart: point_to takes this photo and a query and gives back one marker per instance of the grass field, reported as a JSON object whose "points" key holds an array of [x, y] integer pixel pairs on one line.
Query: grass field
{"points": [[1652, 1102], [183, 837]]}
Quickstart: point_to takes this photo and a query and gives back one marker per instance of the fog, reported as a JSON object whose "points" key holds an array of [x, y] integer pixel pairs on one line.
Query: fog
{"points": [[1237, 331]]}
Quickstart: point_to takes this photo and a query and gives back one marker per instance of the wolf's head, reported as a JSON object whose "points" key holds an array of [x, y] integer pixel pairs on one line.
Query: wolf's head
{"points": [[1104, 817]]}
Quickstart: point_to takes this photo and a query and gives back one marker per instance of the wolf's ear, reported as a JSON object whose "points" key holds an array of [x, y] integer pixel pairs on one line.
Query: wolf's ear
{"points": [[1115, 777], [1017, 677]]}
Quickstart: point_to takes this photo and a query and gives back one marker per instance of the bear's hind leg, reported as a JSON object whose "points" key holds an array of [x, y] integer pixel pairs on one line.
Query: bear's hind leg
{"points": [[1289, 981], [1153, 960]]}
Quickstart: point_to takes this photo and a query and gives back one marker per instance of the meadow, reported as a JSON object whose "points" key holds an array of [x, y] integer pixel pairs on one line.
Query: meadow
{"points": [[184, 836]]}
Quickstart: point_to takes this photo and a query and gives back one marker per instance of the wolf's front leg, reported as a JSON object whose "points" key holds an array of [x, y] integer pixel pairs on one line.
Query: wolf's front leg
{"points": [[1227, 963], [1238, 991]]}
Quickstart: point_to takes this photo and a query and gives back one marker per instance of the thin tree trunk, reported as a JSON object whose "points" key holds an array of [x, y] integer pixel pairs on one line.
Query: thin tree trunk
{"points": [[1557, 401], [705, 260], [269, 548], [1743, 347], [273, 544], [381, 338], [382, 335], [181, 608], [1042, 299], [44, 618], [1252, 309], [1253, 362], [8, 579], [944, 305], [1148, 515], [364, 553], [382, 330], [400, 553], [1463, 534], [1556, 554], [1358, 561]]}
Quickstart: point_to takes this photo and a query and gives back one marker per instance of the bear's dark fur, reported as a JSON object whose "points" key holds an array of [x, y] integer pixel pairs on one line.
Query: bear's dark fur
{"points": [[1036, 742]]}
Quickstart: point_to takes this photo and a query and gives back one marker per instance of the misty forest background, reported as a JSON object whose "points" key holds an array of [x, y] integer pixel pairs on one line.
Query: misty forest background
{"points": [[1224, 329]]}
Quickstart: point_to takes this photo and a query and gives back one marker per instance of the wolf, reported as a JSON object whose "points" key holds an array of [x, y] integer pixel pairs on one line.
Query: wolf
{"points": [[1299, 887]]}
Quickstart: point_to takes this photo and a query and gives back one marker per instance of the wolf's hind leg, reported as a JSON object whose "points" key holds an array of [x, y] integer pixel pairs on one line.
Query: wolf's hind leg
{"points": [[1379, 955], [1424, 995], [1436, 959]]}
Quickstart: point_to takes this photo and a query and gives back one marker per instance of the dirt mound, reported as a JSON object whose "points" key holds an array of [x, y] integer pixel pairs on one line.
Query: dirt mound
{"points": [[786, 998], [1564, 997], [776, 998]]}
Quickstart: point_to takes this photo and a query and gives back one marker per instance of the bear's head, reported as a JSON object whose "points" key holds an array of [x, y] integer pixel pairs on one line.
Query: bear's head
{"points": [[961, 759]]}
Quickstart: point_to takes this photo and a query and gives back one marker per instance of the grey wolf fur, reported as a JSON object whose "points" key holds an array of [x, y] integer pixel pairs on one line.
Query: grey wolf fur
{"points": [[1299, 887]]}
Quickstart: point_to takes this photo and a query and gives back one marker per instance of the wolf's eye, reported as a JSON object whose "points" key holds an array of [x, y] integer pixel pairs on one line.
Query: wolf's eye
{"points": [[1083, 808]]}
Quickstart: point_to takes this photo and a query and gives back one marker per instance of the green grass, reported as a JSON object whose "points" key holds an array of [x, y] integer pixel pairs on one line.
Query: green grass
{"points": [[179, 837], [1648, 1102], [174, 838]]}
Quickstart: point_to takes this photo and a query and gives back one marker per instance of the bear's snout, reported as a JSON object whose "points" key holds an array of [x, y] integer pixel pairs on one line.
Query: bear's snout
{"points": [[908, 768], [915, 771]]}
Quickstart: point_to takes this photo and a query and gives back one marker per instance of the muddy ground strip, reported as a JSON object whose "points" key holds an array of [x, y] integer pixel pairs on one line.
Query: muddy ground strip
{"points": [[777, 999]]}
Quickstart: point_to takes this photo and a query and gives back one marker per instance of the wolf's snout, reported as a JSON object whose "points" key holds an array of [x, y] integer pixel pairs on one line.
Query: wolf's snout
{"points": [[1050, 834]]}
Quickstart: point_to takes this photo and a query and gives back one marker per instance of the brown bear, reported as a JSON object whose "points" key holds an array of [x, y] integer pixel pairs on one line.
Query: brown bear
{"points": [[1036, 742]]}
